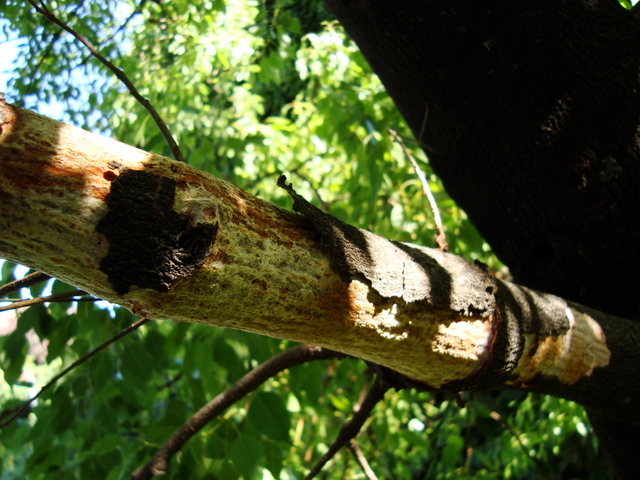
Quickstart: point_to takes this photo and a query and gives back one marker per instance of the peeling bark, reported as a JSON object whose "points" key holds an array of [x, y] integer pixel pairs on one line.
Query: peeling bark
{"points": [[428, 315], [533, 128]]}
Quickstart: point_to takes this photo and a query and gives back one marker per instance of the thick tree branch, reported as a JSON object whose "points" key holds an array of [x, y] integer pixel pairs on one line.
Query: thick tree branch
{"points": [[533, 130], [170, 242]]}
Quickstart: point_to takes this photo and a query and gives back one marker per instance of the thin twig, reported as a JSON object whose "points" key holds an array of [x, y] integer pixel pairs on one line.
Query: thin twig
{"points": [[352, 427], [56, 297], [503, 421], [54, 38], [24, 282], [117, 30], [252, 380], [136, 11], [23, 408], [175, 149], [323, 205], [412, 139], [424, 124], [354, 448], [440, 237]]}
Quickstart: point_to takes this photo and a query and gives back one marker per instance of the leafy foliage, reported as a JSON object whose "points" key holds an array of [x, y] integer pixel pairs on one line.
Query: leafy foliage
{"points": [[251, 89]]}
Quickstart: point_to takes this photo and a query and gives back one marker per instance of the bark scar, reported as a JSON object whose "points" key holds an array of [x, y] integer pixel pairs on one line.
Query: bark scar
{"points": [[393, 269], [150, 244]]}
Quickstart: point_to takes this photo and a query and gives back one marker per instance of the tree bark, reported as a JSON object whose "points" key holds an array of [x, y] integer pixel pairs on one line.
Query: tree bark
{"points": [[74, 202], [532, 126], [532, 120]]}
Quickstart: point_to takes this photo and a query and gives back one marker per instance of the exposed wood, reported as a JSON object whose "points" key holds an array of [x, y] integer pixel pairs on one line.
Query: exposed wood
{"points": [[436, 319], [533, 129]]}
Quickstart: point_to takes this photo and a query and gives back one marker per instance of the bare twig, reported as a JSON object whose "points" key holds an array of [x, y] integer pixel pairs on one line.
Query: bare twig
{"points": [[23, 408], [25, 282], [323, 205], [440, 237], [124, 24], [42, 9], [252, 380], [352, 427], [116, 31], [516, 434], [354, 448], [54, 39], [424, 124], [56, 297]]}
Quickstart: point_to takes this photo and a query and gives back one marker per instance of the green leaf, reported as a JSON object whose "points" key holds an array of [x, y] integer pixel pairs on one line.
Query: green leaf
{"points": [[246, 454], [63, 330], [452, 451], [225, 470], [268, 414], [15, 350], [7, 271], [106, 444], [137, 362], [229, 355], [38, 318]]}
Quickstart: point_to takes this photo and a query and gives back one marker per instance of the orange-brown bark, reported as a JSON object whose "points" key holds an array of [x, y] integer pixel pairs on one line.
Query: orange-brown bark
{"points": [[265, 270]]}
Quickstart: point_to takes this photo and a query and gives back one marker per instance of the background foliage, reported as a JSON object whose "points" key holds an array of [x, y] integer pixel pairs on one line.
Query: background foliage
{"points": [[250, 89]]}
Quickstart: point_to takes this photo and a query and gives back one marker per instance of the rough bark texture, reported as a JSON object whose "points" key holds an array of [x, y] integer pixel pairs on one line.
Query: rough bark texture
{"points": [[69, 210], [216, 255], [533, 127]]}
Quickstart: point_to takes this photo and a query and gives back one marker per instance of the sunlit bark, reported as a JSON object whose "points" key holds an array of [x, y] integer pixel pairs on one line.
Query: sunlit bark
{"points": [[436, 319]]}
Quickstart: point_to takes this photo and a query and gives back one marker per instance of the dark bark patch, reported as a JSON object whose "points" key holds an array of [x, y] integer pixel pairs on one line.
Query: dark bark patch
{"points": [[354, 252], [150, 245], [398, 270]]}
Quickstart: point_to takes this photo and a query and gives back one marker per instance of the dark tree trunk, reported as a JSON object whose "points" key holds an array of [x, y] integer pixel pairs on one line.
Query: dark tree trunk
{"points": [[532, 115]]}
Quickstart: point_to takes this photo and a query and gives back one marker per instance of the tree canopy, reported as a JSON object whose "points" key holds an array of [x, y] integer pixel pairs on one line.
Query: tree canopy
{"points": [[250, 90]]}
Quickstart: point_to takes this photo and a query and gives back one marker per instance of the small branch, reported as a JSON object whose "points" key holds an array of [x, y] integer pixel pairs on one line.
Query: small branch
{"points": [[503, 421], [252, 380], [323, 205], [175, 149], [354, 448], [25, 406], [424, 124], [56, 297], [54, 38], [352, 427], [440, 237], [25, 282], [118, 30], [124, 24]]}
